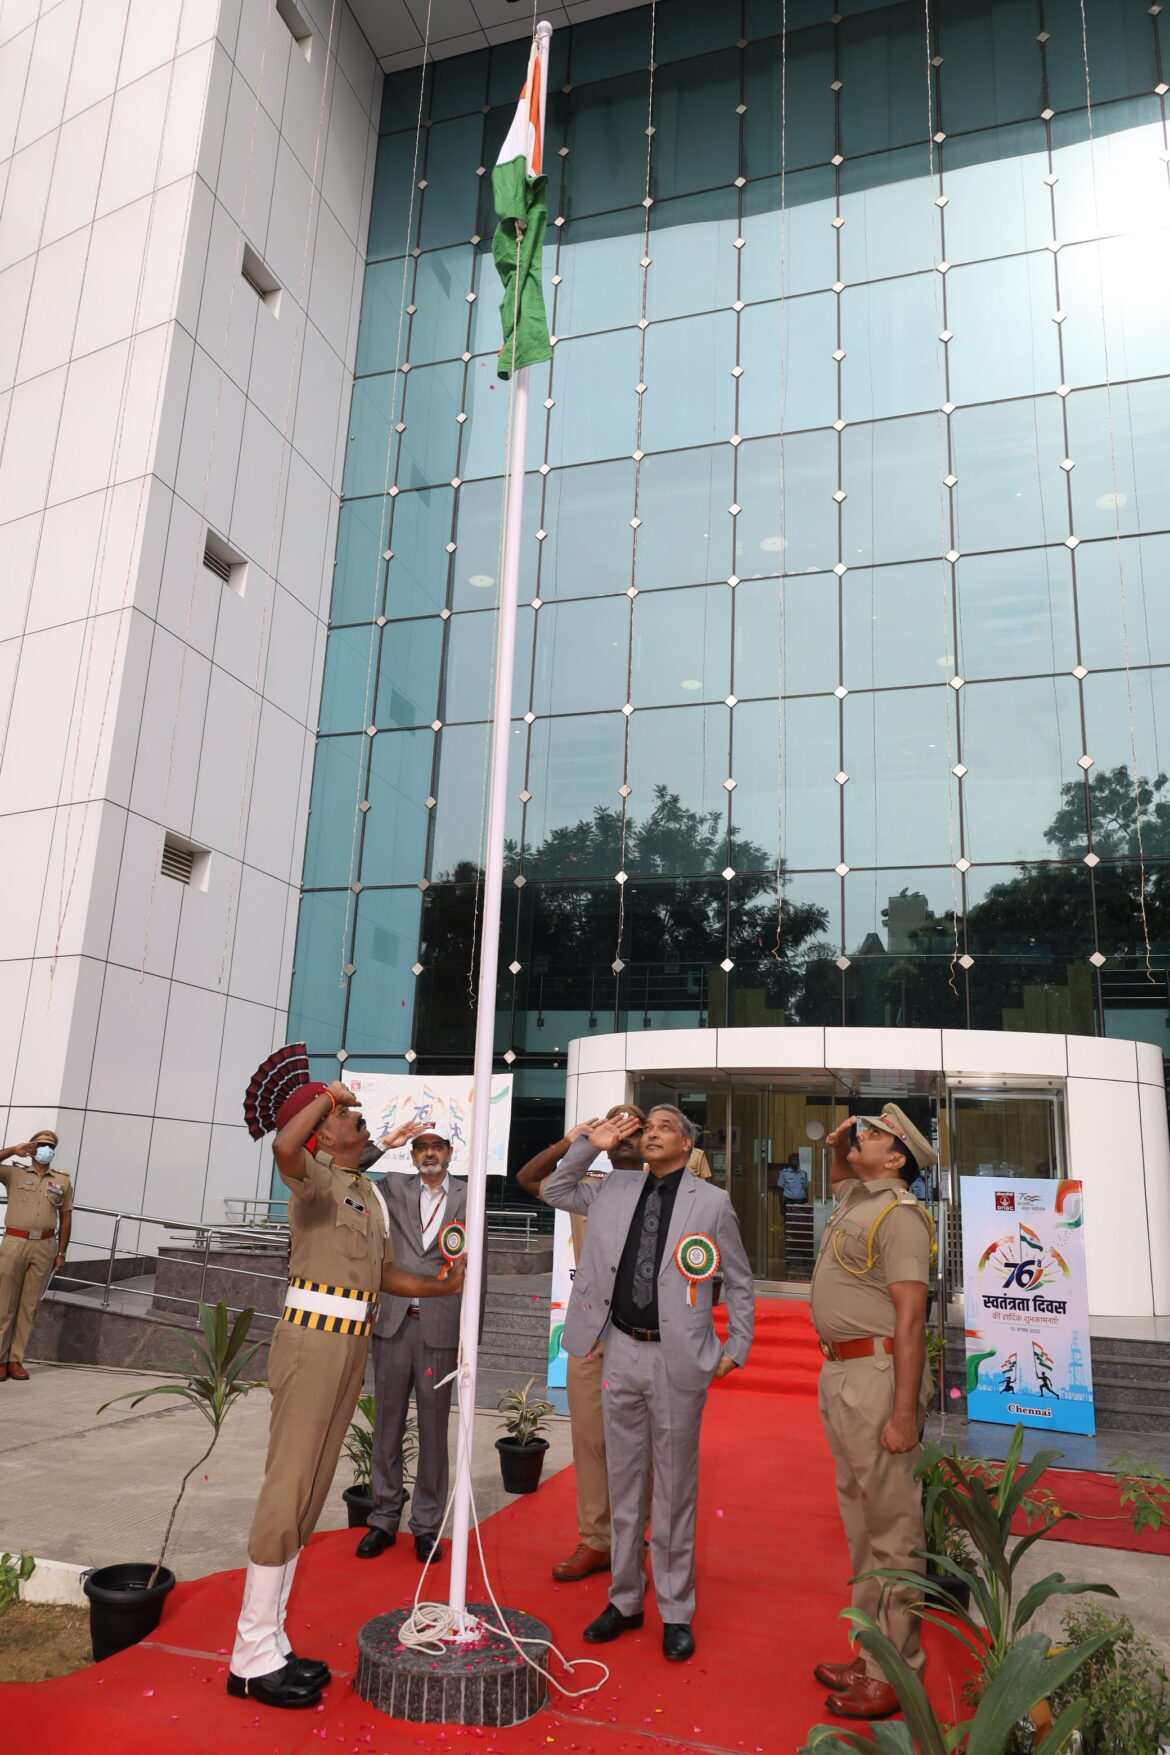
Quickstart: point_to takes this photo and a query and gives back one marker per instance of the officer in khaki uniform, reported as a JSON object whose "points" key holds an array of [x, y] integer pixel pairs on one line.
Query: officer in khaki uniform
{"points": [[868, 1302], [339, 1259], [36, 1237]]}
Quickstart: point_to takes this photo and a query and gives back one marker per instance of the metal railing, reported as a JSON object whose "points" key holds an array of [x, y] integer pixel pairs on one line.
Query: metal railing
{"points": [[526, 1226]]}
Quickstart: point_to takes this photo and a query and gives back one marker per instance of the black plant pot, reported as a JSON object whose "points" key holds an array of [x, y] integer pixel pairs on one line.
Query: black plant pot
{"points": [[520, 1464], [123, 1606], [953, 1588], [359, 1504]]}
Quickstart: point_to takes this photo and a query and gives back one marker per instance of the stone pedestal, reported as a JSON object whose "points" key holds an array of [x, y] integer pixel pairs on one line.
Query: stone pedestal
{"points": [[487, 1683]]}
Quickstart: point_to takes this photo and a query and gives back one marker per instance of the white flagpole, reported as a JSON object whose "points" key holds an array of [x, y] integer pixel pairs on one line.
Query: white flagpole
{"points": [[489, 951]]}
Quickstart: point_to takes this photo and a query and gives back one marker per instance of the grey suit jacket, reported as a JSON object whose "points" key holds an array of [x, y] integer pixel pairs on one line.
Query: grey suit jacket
{"points": [[689, 1343], [439, 1316]]}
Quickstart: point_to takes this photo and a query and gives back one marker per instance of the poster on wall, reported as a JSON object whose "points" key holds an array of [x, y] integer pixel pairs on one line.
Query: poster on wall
{"points": [[563, 1268], [444, 1103], [1027, 1305]]}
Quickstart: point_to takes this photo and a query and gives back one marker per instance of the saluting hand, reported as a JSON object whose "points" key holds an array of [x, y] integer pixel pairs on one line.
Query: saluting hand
{"points": [[606, 1134], [341, 1094], [840, 1135], [398, 1136]]}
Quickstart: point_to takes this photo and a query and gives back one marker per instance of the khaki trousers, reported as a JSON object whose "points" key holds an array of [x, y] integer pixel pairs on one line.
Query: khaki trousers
{"points": [[880, 1501], [315, 1379], [24, 1272], [583, 1383]]}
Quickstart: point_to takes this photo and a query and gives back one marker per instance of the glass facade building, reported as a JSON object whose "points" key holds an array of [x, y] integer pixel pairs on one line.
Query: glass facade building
{"points": [[843, 679]]}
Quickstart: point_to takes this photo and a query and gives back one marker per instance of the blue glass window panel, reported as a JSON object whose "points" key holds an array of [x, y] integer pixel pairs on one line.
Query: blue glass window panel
{"points": [[692, 254], [893, 361], [476, 562], [385, 293], [1011, 489], [430, 444], [1113, 294], [469, 668], [408, 673], [575, 766], [509, 66], [339, 777], [892, 472], [438, 329], [911, 912], [1021, 741], [582, 655], [393, 220], [685, 537], [881, 63], [458, 86], [1109, 183], [690, 394], [451, 196], [997, 201], [1016, 613], [1025, 928], [589, 550], [417, 579], [785, 636], [395, 835], [792, 744], [789, 107], [370, 452], [347, 690], [460, 815], [1121, 442], [485, 431], [787, 518], [760, 16], [601, 48], [682, 646], [601, 276], [788, 347], [602, 172], [990, 357], [1119, 46], [317, 1004], [686, 751], [596, 406], [1127, 719], [896, 624], [381, 990], [1123, 606], [694, 27], [992, 70], [901, 800], [359, 573], [891, 223], [791, 251], [696, 139], [401, 98]]}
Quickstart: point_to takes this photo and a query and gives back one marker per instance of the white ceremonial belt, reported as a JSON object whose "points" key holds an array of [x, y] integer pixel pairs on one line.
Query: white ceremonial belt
{"points": [[326, 1304]]}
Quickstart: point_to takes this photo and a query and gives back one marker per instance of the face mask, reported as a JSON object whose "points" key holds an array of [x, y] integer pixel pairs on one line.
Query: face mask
{"points": [[44, 1154]]}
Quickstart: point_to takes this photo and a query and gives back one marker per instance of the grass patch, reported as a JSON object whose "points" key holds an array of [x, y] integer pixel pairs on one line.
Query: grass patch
{"points": [[39, 1640]]}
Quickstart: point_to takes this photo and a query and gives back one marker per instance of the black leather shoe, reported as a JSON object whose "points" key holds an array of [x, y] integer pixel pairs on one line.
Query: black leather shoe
{"points": [[311, 1671], [375, 1542], [678, 1642], [428, 1547], [278, 1688], [609, 1624]]}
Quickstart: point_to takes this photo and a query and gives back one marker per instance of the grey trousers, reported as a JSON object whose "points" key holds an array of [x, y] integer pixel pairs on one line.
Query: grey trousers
{"points": [[648, 1420], [402, 1364]]}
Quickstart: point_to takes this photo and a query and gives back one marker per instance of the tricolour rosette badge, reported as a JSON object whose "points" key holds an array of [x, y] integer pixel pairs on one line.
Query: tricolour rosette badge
{"points": [[697, 1258], [453, 1243]]}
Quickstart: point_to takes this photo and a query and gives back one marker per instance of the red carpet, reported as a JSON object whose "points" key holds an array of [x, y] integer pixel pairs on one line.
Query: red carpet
{"points": [[1099, 1521], [772, 1580]]}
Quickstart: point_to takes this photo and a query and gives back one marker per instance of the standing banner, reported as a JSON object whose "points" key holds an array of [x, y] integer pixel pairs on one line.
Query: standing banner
{"points": [[563, 1268], [1027, 1305], [444, 1103]]}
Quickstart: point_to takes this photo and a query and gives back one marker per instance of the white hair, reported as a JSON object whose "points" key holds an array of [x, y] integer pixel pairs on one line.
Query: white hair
{"points": [[686, 1125]]}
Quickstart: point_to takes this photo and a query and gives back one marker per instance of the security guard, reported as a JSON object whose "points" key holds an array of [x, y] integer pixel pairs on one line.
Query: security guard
{"points": [[339, 1259], [40, 1207], [868, 1301]]}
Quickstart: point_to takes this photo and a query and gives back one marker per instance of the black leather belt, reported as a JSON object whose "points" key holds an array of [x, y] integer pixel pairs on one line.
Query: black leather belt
{"points": [[636, 1334]]}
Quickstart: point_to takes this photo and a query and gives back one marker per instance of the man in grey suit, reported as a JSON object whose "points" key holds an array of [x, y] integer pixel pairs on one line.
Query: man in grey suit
{"points": [[413, 1351], [661, 1351]]}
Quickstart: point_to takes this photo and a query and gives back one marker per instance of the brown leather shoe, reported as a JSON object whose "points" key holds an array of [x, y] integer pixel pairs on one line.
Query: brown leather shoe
{"points": [[17, 1371], [581, 1562], [837, 1677], [867, 1698], [3, 1372]]}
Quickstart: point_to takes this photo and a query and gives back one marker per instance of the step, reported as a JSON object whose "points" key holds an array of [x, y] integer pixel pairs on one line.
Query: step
{"points": [[515, 1322], [522, 1365]]}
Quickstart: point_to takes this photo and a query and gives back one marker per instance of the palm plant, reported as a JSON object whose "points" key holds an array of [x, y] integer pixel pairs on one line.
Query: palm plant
{"points": [[213, 1386]]}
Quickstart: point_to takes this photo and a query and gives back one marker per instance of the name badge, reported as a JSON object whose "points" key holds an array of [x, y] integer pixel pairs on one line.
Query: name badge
{"points": [[355, 1204]]}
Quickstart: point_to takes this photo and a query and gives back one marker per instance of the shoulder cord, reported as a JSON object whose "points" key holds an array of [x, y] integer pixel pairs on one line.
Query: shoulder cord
{"points": [[870, 1251]]}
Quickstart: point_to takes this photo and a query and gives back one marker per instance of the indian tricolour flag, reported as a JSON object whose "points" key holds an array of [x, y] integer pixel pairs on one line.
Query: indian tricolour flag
{"points": [[518, 183]]}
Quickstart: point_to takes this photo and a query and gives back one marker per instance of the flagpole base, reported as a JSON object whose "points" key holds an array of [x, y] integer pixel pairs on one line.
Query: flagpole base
{"points": [[476, 1680]]}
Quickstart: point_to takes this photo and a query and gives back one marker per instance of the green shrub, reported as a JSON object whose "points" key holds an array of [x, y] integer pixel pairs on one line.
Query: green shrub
{"points": [[14, 1569], [1124, 1684]]}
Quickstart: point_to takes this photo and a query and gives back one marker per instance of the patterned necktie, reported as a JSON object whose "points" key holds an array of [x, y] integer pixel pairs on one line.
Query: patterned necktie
{"points": [[644, 1261]]}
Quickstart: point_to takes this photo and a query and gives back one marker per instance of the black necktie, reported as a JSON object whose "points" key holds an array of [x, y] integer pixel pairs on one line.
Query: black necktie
{"points": [[647, 1256]]}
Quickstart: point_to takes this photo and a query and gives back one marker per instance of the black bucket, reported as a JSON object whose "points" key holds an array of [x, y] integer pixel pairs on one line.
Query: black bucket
{"points": [[123, 1606], [520, 1464], [359, 1504]]}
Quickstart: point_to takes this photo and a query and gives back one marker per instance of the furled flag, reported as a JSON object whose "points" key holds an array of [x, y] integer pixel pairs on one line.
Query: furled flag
{"points": [[518, 184]]}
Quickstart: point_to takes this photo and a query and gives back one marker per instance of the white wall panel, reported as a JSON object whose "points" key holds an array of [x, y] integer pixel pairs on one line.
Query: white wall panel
{"points": [[49, 317], [190, 1053], [32, 418], [1105, 1152], [1156, 1158], [77, 171], [15, 289], [24, 200]]}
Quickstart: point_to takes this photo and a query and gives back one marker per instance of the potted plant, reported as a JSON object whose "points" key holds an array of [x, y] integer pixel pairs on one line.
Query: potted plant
{"points": [[126, 1601], [359, 1448], [522, 1448], [945, 1538]]}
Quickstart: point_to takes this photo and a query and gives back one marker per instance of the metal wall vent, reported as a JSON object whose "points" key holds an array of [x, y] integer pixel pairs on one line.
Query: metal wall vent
{"points": [[227, 563], [177, 861], [218, 565]]}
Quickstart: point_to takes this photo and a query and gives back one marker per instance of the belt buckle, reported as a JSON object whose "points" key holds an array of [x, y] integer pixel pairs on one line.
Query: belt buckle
{"points": [[828, 1350]]}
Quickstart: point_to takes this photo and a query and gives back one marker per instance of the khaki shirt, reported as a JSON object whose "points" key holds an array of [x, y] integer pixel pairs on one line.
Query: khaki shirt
{"points": [[698, 1165], [856, 1266], [335, 1221], [35, 1196]]}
